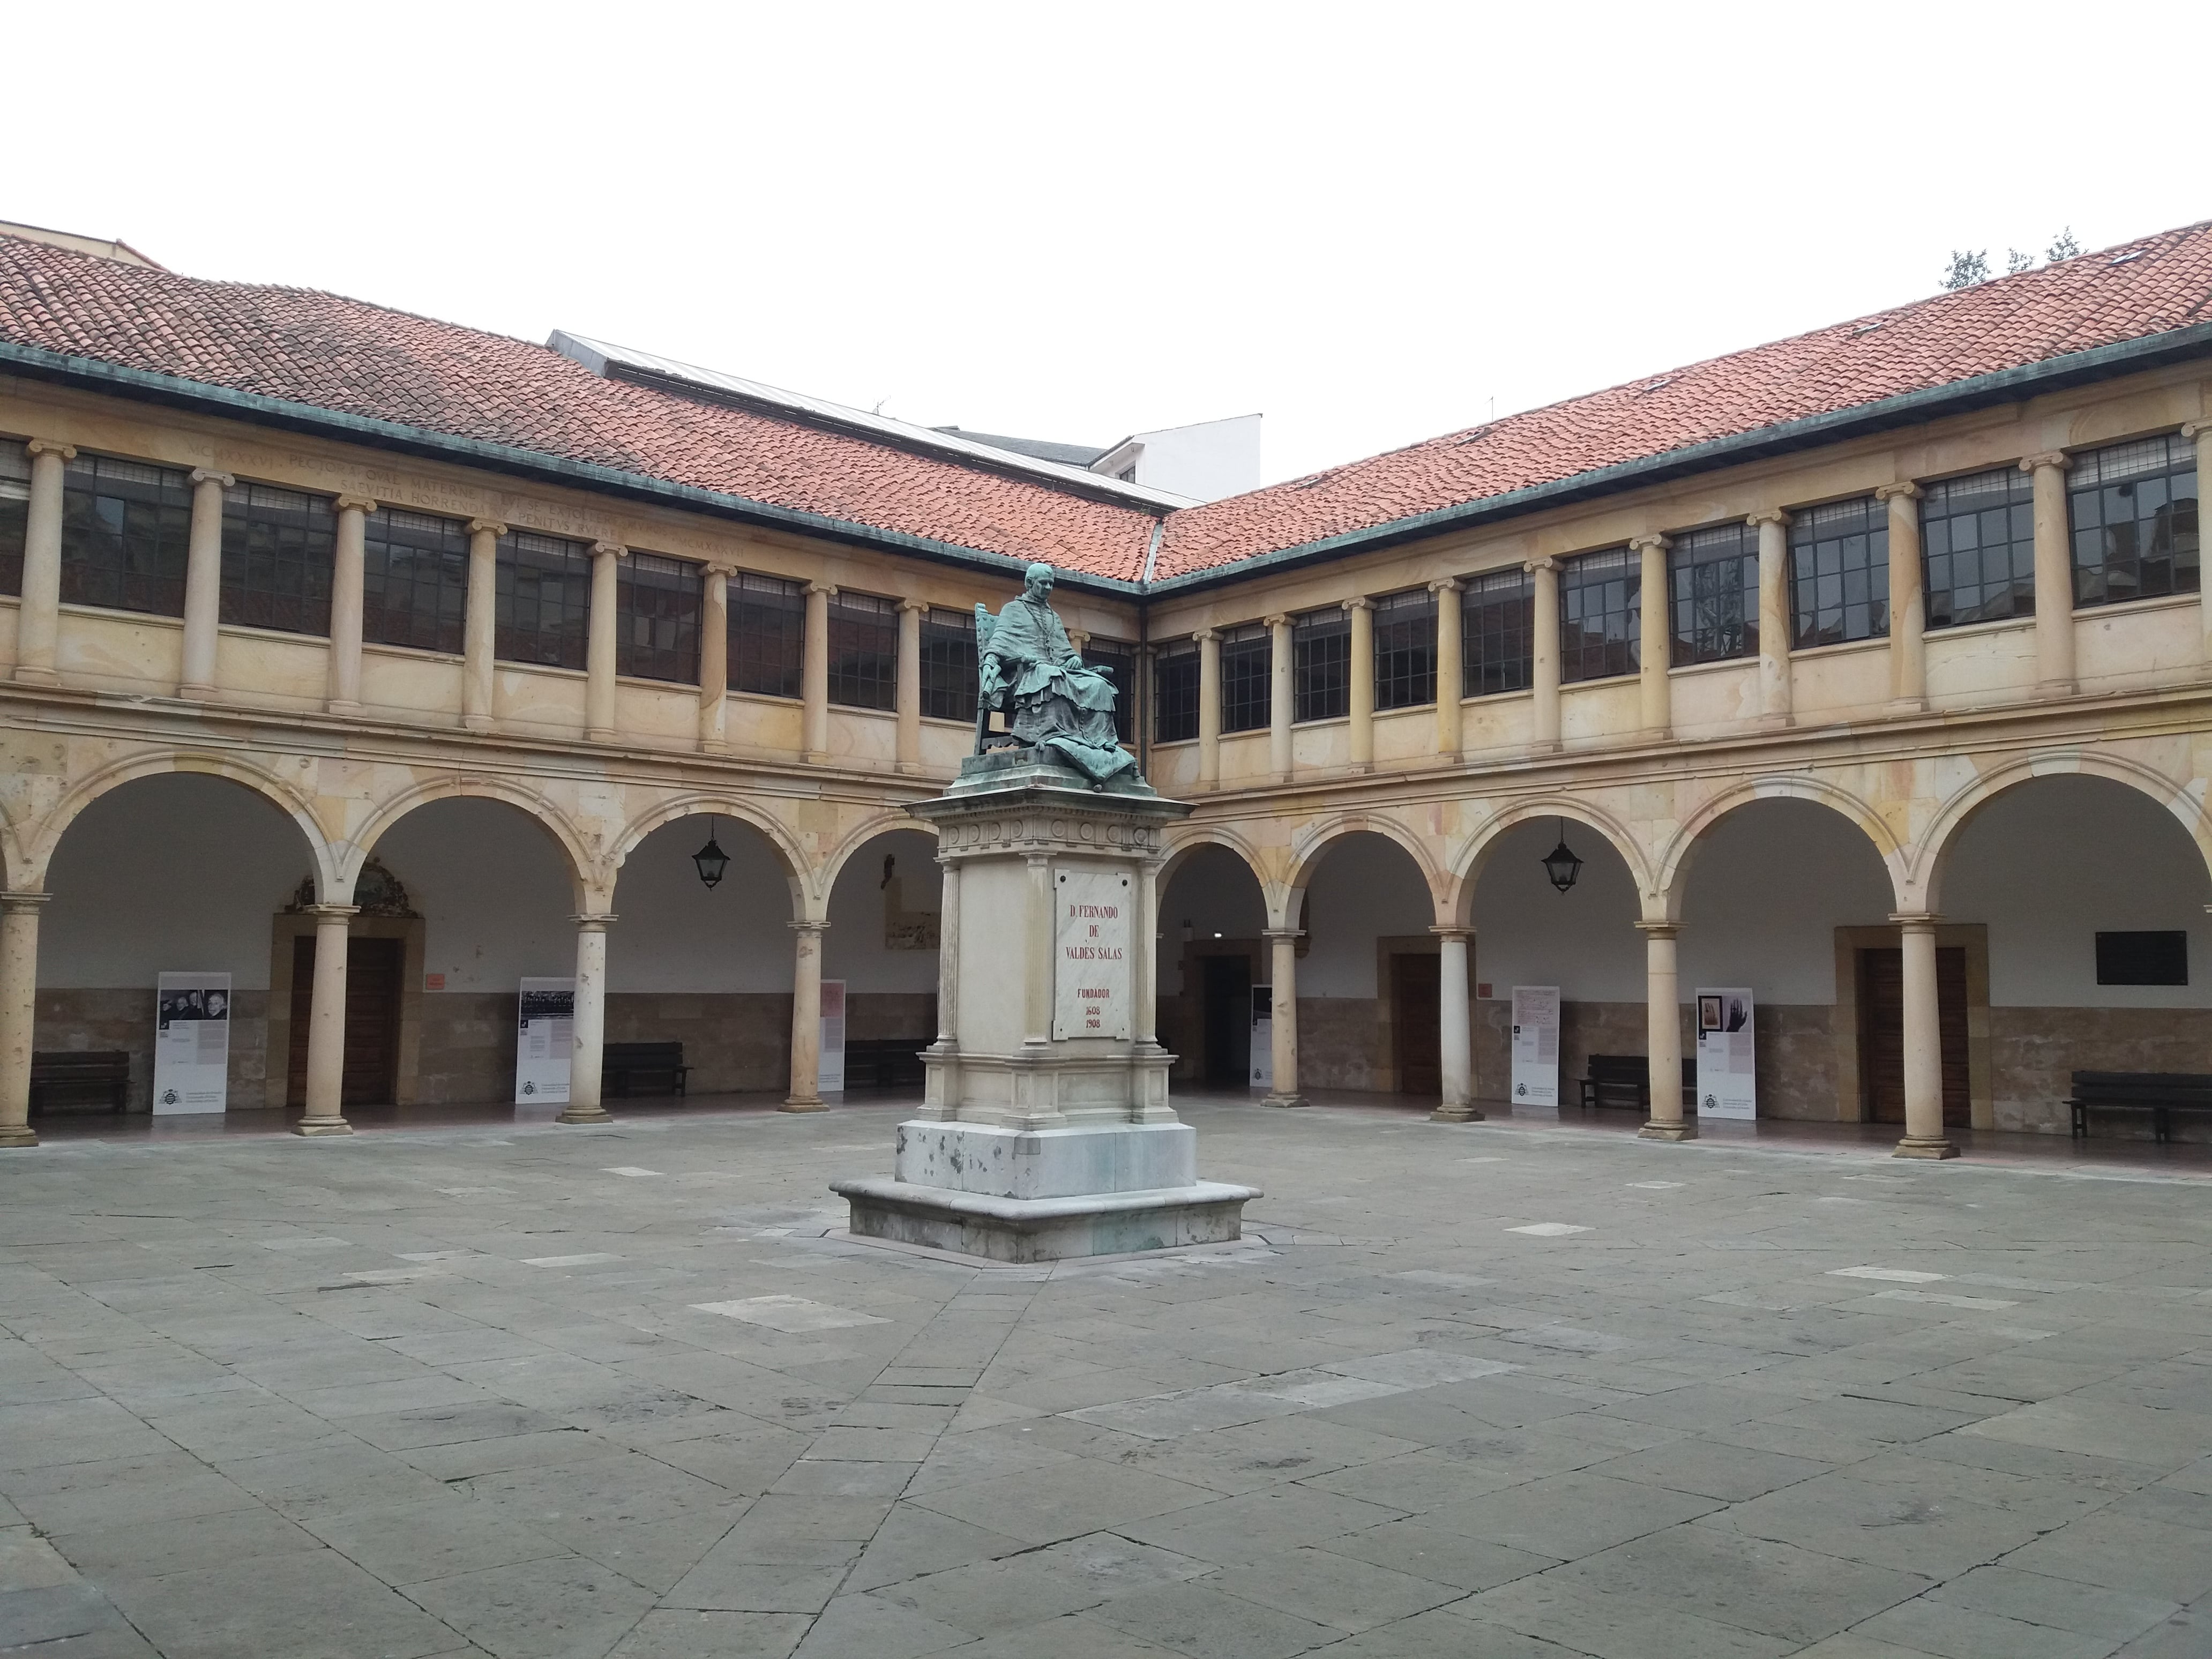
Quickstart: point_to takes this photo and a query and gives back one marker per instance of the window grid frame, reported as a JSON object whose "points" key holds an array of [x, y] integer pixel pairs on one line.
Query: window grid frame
{"points": [[433, 564], [1405, 625], [543, 616], [279, 551], [766, 629], [1248, 655], [2090, 493], [1712, 596], [1177, 676], [1117, 660], [948, 665], [863, 640], [660, 607], [1950, 503], [1498, 633], [1321, 666], [1613, 648], [1842, 597], [15, 512], [126, 550]]}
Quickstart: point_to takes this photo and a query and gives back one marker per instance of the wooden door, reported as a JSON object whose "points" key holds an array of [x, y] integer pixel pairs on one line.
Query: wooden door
{"points": [[372, 1020], [1416, 1006], [1882, 1035], [1227, 987]]}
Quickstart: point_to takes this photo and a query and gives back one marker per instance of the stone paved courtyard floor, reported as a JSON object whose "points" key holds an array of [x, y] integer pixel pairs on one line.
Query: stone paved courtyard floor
{"points": [[1470, 1390]]}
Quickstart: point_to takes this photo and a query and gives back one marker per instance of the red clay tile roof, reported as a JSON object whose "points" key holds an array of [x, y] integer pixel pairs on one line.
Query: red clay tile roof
{"points": [[332, 353], [2082, 303]]}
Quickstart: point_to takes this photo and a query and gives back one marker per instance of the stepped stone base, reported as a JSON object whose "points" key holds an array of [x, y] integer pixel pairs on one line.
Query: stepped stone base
{"points": [[1000, 1229]]}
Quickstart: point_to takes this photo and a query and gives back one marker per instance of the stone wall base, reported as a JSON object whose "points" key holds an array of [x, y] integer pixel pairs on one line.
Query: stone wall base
{"points": [[1046, 1229]]}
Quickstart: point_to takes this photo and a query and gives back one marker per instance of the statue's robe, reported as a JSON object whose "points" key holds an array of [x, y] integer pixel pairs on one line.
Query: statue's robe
{"points": [[1054, 701]]}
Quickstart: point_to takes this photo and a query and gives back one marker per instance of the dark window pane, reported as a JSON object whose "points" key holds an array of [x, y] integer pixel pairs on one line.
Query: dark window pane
{"points": [[657, 602], [1713, 576], [1601, 614], [1118, 663], [948, 665], [1406, 650], [544, 612], [1321, 665], [1977, 547], [415, 580], [1246, 663], [14, 513], [1839, 571], [1175, 694], [1497, 614], [277, 553], [2135, 520], [124, 530], [767, 635], [863, 651]]}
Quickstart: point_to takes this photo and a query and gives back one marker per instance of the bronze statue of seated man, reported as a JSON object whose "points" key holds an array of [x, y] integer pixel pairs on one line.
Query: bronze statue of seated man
{"points": [[1031, 669]]}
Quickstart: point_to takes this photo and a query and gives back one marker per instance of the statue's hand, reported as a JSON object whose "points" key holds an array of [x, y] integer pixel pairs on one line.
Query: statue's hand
{"points": [[988, 683]]}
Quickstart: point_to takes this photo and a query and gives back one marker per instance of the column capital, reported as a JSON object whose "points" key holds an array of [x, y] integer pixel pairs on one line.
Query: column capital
{"points": [[490, 527], [1659, 929], [722, 567], [1444, 585], [1640, 543], [593, 923], [827, 589], [1277, 619], [2056, 458], [810, 926], [1773, 515], [357, 504], [1205, 634], [609, 550], [51, 447], [1538, 566], [207, 475], [330, 912], [1455, 931], [1917, 923], [33, 900], [921, 606], [1907, 490], [2193, 430], [1359, 601]]}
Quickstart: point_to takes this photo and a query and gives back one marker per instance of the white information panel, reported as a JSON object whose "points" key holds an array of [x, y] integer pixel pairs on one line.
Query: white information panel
{"points": [[545, 1040], [1263, 1036], [830, 1075], [192, 1043], [1090, 955], [1727, 1086], [1535, 1045]]}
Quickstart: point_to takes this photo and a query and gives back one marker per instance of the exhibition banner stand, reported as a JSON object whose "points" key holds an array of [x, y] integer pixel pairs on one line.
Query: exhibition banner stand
{"points": [[1727, 1073], [192, 1043], [1263, 1036], [1535, 1045], [545, 1040], [831, 1078]]}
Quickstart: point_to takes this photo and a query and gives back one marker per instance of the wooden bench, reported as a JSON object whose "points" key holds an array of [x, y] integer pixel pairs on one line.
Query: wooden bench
{"points": [[884, 1063], [1625, 1080], [100, 1074], [2160, 1093], [621, 1062]]}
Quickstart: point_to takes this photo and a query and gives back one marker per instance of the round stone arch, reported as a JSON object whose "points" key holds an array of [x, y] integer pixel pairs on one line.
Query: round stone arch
{"points": [[1307, 851], [808, 902], [824, 880], [28, 857], [1468, 863], [1922, 890], [1190, 839], [1672, 878], [575, 858]]}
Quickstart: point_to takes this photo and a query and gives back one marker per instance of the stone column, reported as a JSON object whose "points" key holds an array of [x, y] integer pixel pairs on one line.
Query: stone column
{"points": [[806, 1019], [1908, 601], [38, 617], [480, 624], [2054, 577], [1451, 669], [1544, 653], [1361, 745], [1924, 1043], [18, 1002], [715, 660], [1775, 625], [1456, 1039], [1151, 1101], [203, 584], [2201, 433], [327, 1024], [1283, 1017], [814, 675], [1209, 709], [600, 653], [1281, 695], [911, 612], [587, 1060], [348, 553], [1663, 1038], [1655, 648], [941, 1093]]}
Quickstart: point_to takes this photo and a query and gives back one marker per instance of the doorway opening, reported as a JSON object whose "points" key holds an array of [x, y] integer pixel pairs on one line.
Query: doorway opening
{"points": [[375, 970], [1882, 1035], [1416, 1009], [1226, 990]]}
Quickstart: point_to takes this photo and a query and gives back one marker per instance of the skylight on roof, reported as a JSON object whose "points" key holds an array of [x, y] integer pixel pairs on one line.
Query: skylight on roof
{"points": [[1866, 328], [1653, 385], [2121, 258]]}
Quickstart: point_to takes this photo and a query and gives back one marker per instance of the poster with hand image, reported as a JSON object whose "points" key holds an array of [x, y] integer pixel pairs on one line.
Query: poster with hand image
{"points": [[545, 1041], [1727, 1061], [192, 1043]]}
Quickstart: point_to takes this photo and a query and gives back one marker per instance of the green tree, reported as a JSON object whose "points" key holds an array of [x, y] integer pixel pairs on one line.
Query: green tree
{"points": [[1967, 268], [2063, 246]]}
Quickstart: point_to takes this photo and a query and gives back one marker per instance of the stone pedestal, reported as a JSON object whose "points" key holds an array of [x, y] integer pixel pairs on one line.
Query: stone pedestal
{"points": [[1045, 1130]]}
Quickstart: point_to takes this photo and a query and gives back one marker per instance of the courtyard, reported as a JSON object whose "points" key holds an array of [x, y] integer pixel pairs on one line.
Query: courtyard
{"points": [[1503, 1389]]}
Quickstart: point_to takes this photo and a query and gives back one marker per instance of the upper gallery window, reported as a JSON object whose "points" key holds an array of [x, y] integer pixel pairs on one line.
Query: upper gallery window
{"points": [[657, 605], [277, 546], [1247, 662], [1175, 693], [545, 612], [948, 665], [767, 635], [2134, 507], [415, 580], [1977, 542], [126, 528], [1713, 576], [1497, 616], [1601, 614], [1406, 649], [1321, 665], [863, 651], [1839, 571], [15, 512], [1117, 662]]}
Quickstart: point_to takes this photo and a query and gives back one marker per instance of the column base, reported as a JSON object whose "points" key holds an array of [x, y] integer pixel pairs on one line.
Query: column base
{"points": [[1455, 1114], [1777, 722], [815, 756], [1904, 707], [586, 1115], [20, 1134], [36, 676], [713, 746], [344, 706], [1656, 1130], [909, 768], [1285, 1100], [2054, 688], [196, 693], [599, 734], [322, 1126], [476, 722], [795, 1104], [1924, 1146]]}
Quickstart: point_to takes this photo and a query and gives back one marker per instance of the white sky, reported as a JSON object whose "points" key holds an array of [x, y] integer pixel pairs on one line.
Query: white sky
{"points": [[1366, 220]]}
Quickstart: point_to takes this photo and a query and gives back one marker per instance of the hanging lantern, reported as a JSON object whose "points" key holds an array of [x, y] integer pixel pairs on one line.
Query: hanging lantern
{"points": [[1561, 864], [711, 858]]}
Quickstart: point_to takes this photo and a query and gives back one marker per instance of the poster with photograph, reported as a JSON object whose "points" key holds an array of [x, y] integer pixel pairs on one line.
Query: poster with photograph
{"points": [[831, 1080], [1535, 1045], [192, 1043], [545, 1041], [1726, 1058], [1263, 1036]]}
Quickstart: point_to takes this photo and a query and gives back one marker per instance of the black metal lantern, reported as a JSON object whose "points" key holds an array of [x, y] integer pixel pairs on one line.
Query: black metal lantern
{"points": [[1561, 864], [711, 858]]}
